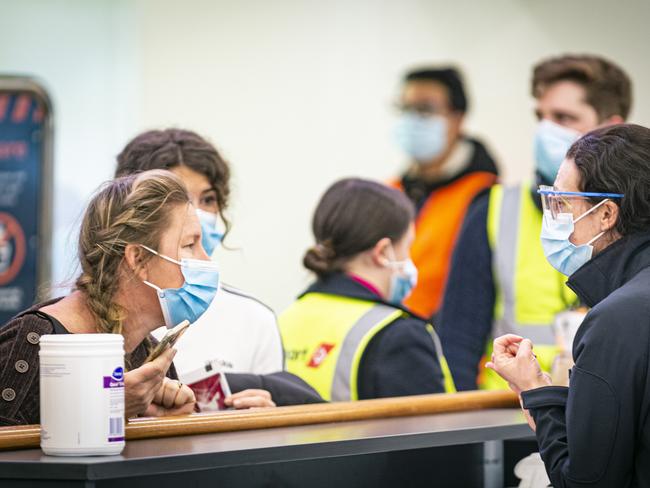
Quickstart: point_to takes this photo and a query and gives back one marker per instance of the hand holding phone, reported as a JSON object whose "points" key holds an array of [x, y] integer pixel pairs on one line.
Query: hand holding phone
{"points": [[170, 338]]}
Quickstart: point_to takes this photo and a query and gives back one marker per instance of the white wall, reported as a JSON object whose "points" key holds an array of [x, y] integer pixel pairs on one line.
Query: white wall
{"points": [[84, 55], [298, 94], [295, 93]]}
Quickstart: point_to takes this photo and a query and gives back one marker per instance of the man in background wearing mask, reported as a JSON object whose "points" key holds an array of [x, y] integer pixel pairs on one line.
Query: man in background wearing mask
{"points": [[500, 281], [447, 171]]}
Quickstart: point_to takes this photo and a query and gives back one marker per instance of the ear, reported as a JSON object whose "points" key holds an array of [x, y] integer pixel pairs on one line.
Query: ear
{"points": [[379, 253], [457, 119], [612, 119], [609, 216], [135, 259]]}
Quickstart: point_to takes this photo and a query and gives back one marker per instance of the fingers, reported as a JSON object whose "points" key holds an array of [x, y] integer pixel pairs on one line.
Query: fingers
{"points": [[253, 402], [164, 361], [525, 349], [174, 394], [251, 392], [155, 410], [186, 409], [184, 395], [501, 344], [143, 385], [250, 399], [169, 391], [157, 369], [513, 348]]}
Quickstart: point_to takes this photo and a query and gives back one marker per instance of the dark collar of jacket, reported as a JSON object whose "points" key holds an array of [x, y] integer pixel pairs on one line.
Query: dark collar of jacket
{"points": [[342, 285], [611, 269], [480, 160]]}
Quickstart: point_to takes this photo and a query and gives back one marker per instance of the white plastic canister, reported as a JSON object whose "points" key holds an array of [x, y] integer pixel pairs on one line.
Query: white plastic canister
{"points": [[82, 394]]}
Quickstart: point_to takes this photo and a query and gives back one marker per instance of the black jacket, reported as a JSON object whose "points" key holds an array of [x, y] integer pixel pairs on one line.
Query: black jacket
{"points": [[285, 388], [419, 191], [596, 432], [401, 359]]}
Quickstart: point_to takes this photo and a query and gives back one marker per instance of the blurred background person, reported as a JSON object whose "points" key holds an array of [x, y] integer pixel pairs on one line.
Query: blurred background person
{"points": [[348, 335], [237, 331], [447, 170], [500, 281]]}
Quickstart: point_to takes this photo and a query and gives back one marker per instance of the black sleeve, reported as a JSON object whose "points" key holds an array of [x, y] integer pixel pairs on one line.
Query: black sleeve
{"points": [[400, 360], [285, 388], [465, 319], [587, 434]]}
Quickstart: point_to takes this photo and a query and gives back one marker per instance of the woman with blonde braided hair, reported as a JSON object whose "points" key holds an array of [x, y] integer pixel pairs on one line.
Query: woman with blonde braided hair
{"points": [[138, 233]]}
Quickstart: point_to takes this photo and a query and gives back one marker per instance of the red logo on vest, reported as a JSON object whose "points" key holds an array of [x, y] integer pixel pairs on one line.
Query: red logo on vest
{"points": [[319, 355]]}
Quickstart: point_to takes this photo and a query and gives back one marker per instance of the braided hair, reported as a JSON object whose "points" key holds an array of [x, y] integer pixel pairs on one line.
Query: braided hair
{"points": [[133, 209]]}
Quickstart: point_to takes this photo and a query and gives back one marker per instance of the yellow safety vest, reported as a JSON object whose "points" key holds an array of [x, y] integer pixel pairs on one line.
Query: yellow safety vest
{"points": [[325, 336], [529, 291]]}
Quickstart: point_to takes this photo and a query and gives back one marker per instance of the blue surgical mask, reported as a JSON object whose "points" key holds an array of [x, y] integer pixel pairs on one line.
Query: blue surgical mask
{"points": [[211, 231], [193, 298], [421, 137], [402, 281], [560, 252], [552, 141]]}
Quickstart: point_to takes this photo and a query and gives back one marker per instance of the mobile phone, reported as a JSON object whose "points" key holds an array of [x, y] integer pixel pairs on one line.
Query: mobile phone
{"points": [[168, 340]]}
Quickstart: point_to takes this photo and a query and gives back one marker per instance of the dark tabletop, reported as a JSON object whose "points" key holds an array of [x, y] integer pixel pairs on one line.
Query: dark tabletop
{"points": [[174, 454]]}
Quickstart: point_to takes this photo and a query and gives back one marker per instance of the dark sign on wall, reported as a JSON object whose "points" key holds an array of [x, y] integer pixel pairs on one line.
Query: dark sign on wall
{"points": [[25, 193]]}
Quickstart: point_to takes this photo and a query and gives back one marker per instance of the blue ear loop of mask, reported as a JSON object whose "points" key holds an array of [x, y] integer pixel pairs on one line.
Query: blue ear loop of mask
{"points": [[403, 279], [560, 252], [211, 231], [193, 298], [421, 137]]}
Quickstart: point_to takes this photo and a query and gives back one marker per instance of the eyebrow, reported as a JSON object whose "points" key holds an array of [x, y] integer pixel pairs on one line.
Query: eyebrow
{"points": [[560, 113]]}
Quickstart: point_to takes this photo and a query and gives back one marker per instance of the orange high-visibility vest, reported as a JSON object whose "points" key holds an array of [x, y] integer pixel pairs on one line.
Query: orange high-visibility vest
{"points": [[436, 229]]}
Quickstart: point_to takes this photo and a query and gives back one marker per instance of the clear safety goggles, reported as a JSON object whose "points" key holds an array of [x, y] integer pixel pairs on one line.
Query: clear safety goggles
{"points": [[556, 202]]}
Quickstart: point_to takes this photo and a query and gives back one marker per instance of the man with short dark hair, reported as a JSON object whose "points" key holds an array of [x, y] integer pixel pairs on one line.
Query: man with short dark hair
{"points": [[500, 281], [447, 170]]}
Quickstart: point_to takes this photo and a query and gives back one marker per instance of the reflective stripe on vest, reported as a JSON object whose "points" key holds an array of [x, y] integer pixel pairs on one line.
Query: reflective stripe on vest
{"points": [[325, 336], [436, 230], [347, 367], [529, 292], [450, 387]]}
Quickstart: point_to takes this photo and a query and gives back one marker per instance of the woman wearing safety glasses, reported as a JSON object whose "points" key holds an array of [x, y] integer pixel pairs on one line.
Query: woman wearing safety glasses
{"points": [[596, 229]]}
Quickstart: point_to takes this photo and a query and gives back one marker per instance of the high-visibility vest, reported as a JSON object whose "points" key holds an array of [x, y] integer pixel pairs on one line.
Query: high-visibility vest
{"points": [[325, 336], [436, 229], [529, 291]]}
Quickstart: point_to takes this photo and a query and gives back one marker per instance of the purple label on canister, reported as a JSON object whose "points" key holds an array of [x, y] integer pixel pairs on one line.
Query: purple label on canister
{"points": [[110, 382]]}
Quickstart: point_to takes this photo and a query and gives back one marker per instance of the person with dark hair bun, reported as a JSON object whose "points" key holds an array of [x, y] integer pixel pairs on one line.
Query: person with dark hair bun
{"points": [[596, 230], [349, 335]]}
